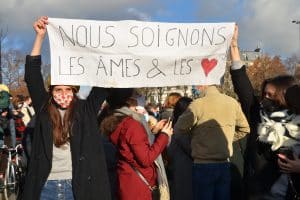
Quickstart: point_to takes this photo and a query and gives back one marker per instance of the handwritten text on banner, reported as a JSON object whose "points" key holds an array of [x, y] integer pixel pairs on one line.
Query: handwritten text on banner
{"points": [[137, 54]]}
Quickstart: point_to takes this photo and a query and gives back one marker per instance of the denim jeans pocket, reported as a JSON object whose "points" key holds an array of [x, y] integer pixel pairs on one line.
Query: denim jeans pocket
{"points": [[69, 182]]}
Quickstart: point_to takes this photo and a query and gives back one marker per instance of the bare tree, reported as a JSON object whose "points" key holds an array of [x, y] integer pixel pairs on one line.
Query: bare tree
{"points": [[227, 86], [3, 35], [160, 92], [297, 73], [291, 63], [263, 68], [147, 92], [13, 68]]}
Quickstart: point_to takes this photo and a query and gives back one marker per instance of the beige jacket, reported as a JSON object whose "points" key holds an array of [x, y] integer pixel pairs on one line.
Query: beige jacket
{"points": [[215, 121]]}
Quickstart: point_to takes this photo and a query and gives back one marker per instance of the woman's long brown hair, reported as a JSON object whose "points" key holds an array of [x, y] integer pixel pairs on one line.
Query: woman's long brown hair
{"points": [[281, 83], [62, 129]]}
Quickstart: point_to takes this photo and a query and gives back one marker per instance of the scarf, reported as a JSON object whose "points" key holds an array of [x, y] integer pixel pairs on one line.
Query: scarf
{"points": [[160, 168], [280, 129]]}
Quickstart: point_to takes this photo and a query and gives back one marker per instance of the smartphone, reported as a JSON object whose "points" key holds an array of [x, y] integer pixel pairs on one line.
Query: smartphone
{"points": [[288, 152]]}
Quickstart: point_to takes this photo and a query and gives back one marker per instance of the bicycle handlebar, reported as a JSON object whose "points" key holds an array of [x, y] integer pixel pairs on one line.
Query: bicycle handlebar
{"points": [[5, 148]]}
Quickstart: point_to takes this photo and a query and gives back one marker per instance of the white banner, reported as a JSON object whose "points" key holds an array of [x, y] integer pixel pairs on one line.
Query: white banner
{"points": [[137, 54]]}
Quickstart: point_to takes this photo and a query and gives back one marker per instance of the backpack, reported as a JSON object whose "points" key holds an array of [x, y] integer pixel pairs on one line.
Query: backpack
{"points": [[4, 99]]}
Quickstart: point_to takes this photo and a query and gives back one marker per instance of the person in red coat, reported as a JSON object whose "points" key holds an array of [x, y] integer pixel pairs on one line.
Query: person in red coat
{"points": [[136, 168]]}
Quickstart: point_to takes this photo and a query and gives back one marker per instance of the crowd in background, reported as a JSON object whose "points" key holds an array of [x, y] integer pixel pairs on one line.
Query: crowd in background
{"points": [[110, 147]]}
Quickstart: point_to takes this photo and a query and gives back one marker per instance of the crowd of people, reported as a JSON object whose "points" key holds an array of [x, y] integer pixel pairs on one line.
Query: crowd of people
{"points": [[107, 146], [16, 114]]}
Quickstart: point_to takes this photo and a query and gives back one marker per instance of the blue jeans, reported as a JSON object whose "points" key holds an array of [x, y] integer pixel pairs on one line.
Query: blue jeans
{"points": [[211, 181], [57, 190], [279, 189]]}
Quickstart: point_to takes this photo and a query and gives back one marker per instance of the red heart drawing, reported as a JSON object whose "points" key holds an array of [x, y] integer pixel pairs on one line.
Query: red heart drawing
{"points": [[208, 65]]}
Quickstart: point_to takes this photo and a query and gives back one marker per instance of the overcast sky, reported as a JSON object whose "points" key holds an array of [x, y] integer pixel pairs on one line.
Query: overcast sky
{"points": [[264, 23]]}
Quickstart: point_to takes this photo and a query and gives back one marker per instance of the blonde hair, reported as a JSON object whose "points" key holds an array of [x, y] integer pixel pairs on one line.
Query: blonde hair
{"points": [[172, 99]]}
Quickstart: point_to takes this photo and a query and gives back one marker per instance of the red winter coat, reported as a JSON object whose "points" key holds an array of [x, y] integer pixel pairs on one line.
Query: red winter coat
{"points": [[133, 145]]}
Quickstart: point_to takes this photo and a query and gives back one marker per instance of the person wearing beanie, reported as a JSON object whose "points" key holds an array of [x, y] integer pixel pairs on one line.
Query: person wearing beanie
{"points": [[139, 165]]}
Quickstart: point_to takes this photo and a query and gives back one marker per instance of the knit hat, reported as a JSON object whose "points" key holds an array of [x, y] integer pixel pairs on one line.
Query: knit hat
{"points": [[4, 88], [118, 97]]}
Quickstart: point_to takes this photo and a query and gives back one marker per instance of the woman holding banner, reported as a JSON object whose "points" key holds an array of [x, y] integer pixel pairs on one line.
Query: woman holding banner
{"points": [[67, 160], [262, 176]]}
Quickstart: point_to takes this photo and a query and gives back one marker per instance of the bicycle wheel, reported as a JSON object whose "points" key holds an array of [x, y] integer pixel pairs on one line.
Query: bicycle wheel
{"points": [[11, 188], [20, 179]]}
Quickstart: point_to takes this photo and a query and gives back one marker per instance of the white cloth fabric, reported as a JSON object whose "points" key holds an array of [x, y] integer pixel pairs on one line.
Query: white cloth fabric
{"points": [[279, 133]]}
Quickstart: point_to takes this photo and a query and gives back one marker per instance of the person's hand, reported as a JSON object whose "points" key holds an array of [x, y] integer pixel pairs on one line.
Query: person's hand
{"points": [[4, 114], [234, 41], [158, 126], [234, 49], [168, 128], [289, 166], [39, 26], [15, 112]]}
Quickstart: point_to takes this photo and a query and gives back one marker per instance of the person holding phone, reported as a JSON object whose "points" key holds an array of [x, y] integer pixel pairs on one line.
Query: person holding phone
{"points": [[288, 164], [262, 177], [137, 154], [289, 161]]}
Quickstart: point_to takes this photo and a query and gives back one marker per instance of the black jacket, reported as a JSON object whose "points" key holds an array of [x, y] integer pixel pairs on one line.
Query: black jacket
{"points": [[90, 180], [261, 169]]}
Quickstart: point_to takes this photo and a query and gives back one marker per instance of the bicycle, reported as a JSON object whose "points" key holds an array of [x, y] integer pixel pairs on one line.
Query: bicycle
{"points": [[14, 173]]}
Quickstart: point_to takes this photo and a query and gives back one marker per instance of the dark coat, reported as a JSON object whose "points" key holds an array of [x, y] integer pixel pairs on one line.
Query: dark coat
{"points": [[90, 179], [261, 169], [180, 167]]}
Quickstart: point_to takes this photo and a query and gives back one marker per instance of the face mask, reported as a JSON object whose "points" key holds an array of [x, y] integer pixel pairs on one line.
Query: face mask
{"points": [[146, 116], [63, 100], [196, 93], [269, 106]]}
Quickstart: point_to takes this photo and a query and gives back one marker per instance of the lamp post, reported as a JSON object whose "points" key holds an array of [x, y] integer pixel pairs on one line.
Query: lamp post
{"points": [[298, 23]]}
